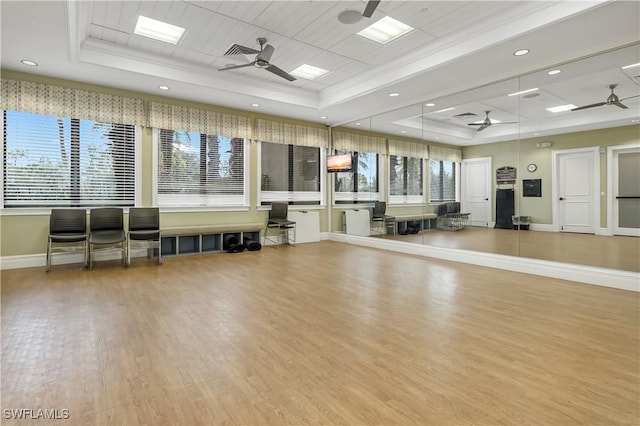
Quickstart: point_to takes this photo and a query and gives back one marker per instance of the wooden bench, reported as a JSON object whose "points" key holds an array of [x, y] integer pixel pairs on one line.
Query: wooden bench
{"points": [[183, 240]]}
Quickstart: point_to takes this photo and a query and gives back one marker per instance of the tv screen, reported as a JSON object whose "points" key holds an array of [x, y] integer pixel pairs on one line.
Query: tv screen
{"points": [[339, 163]]}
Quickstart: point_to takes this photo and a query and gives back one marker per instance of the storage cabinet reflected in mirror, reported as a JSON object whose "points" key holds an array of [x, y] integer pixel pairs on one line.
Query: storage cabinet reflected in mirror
{"points": [[545, 164]]}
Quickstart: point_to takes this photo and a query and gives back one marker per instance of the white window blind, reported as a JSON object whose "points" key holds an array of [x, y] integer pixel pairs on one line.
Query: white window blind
{"points": [[198, 170], [442, 180], [290, 173], [51, 161], [361, 184], [405, 180]]}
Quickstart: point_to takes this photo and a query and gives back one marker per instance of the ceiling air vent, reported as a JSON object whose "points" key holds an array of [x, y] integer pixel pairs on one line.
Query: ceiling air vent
{"points": [[237, 49]]}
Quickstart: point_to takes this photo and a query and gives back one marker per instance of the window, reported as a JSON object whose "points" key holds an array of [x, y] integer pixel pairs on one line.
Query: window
{"points": [[405, 179], [361, 184], [290, 173], [200, 170], [442, 183], [67, 162]]}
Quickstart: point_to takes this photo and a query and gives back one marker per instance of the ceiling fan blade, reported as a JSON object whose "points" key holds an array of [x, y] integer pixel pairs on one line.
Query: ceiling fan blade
{"points": [[481, 128], [589, 106], [475, 124], [620, 105], [370, 8], [266, 53], [630, 97], [277, 71], [233, 67], [237, 49], [507, 122]]}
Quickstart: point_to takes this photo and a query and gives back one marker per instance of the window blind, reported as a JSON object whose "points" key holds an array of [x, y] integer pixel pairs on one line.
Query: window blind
{"points": [[200, 170], [51, 161], [361, 184], [405, 180], [290, 173], [442, 180]]}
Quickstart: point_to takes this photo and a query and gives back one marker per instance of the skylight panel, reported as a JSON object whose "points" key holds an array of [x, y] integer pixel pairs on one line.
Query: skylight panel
{"points": [[385, 30], [158, 30]]}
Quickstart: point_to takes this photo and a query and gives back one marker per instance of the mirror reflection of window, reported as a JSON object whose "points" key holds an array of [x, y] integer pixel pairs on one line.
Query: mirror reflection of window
{"points": [[442, 181], [361, 184]]}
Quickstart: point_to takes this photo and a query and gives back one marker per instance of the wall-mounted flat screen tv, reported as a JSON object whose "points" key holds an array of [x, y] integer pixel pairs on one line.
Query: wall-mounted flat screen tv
{"points": [[339, 163]]}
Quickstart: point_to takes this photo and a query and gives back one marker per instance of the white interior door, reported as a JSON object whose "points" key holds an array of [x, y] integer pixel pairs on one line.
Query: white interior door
{"points": [[476, 190], [576, 190], [626, 191]]}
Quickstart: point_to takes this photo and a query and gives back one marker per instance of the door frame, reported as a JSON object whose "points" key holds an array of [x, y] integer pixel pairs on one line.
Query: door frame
{"points": [[488, 182], [611, 177], [595, 189]]}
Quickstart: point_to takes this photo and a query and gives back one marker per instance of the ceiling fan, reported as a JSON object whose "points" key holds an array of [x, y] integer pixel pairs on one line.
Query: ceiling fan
{"points": [[487, 122], [262, 58], [352, 16], [611, 100]]}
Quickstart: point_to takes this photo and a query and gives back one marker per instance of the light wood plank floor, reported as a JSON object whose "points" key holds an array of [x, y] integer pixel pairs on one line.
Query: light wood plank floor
{"points": [[323, 333], [616, 252]]}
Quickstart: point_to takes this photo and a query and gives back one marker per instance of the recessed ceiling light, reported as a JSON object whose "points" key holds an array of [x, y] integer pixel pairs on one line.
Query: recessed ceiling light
{"points": [[523, 91], [631, 66], [536, 134], [349, 16], [308, 72], [403, 131], [444, 110], [430, 104], [358, 123], [30, 63], [385, 30], [392, 94], [163, 87], [561, 108], [324, 117], [554, 72], [158, 30], [634, 121], [521, 52], [255, 105]]}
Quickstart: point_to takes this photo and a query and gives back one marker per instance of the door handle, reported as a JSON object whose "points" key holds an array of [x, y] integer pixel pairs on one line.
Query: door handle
{"points": [[561, 198], [486, 199]]}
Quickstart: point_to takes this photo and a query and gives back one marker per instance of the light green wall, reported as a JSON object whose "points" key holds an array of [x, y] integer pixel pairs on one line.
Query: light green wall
{"points": [[523, 152]]}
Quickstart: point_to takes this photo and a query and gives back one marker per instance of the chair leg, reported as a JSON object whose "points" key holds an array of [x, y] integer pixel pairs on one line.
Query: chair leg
{"points": [[128, 262], [48, 255], [90, 256], [85, 254], [160, 251]]}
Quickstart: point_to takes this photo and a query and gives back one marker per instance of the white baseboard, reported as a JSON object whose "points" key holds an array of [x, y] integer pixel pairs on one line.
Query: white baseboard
{"points": [[40, 260], [624, 280], [545, 227], [604, 231]]}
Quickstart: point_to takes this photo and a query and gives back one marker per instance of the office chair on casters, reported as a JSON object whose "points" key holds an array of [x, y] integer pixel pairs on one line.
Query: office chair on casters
{"points": [[106, 229], [380, 219], [144, 226], [67, 226], [278, 220]]}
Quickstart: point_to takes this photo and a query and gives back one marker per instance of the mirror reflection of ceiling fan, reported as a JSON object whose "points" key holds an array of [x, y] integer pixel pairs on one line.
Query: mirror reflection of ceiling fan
{"points": [[611, 100], [263, 56], [487, 122], [352, 16]]}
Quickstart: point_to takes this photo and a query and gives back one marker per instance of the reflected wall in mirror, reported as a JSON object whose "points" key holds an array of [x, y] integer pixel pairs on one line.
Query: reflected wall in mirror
{"points": [[581, 159]]}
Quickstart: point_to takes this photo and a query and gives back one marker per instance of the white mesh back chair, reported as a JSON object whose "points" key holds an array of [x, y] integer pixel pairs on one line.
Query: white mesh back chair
{"points": [[67, 228], [379, 219], [144, 227], [285, 228]]}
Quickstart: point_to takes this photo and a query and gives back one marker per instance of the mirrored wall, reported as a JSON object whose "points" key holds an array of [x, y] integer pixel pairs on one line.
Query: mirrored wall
{"points": [[544, 165]]}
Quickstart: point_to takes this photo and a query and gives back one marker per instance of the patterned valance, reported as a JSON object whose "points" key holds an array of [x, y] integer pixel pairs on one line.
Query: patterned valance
{"points": [[408, 149], [445, 154], [355, 142], [290, 134], [41, 98], [174, 117]]}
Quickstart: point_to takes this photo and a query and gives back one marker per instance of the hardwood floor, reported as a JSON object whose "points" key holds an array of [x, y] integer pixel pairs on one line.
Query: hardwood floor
{"points": [[323, 333], [616, 252]]}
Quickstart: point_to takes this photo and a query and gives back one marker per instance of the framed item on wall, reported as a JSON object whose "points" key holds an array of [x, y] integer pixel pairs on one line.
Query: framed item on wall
{"points": [[532, 187]]}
